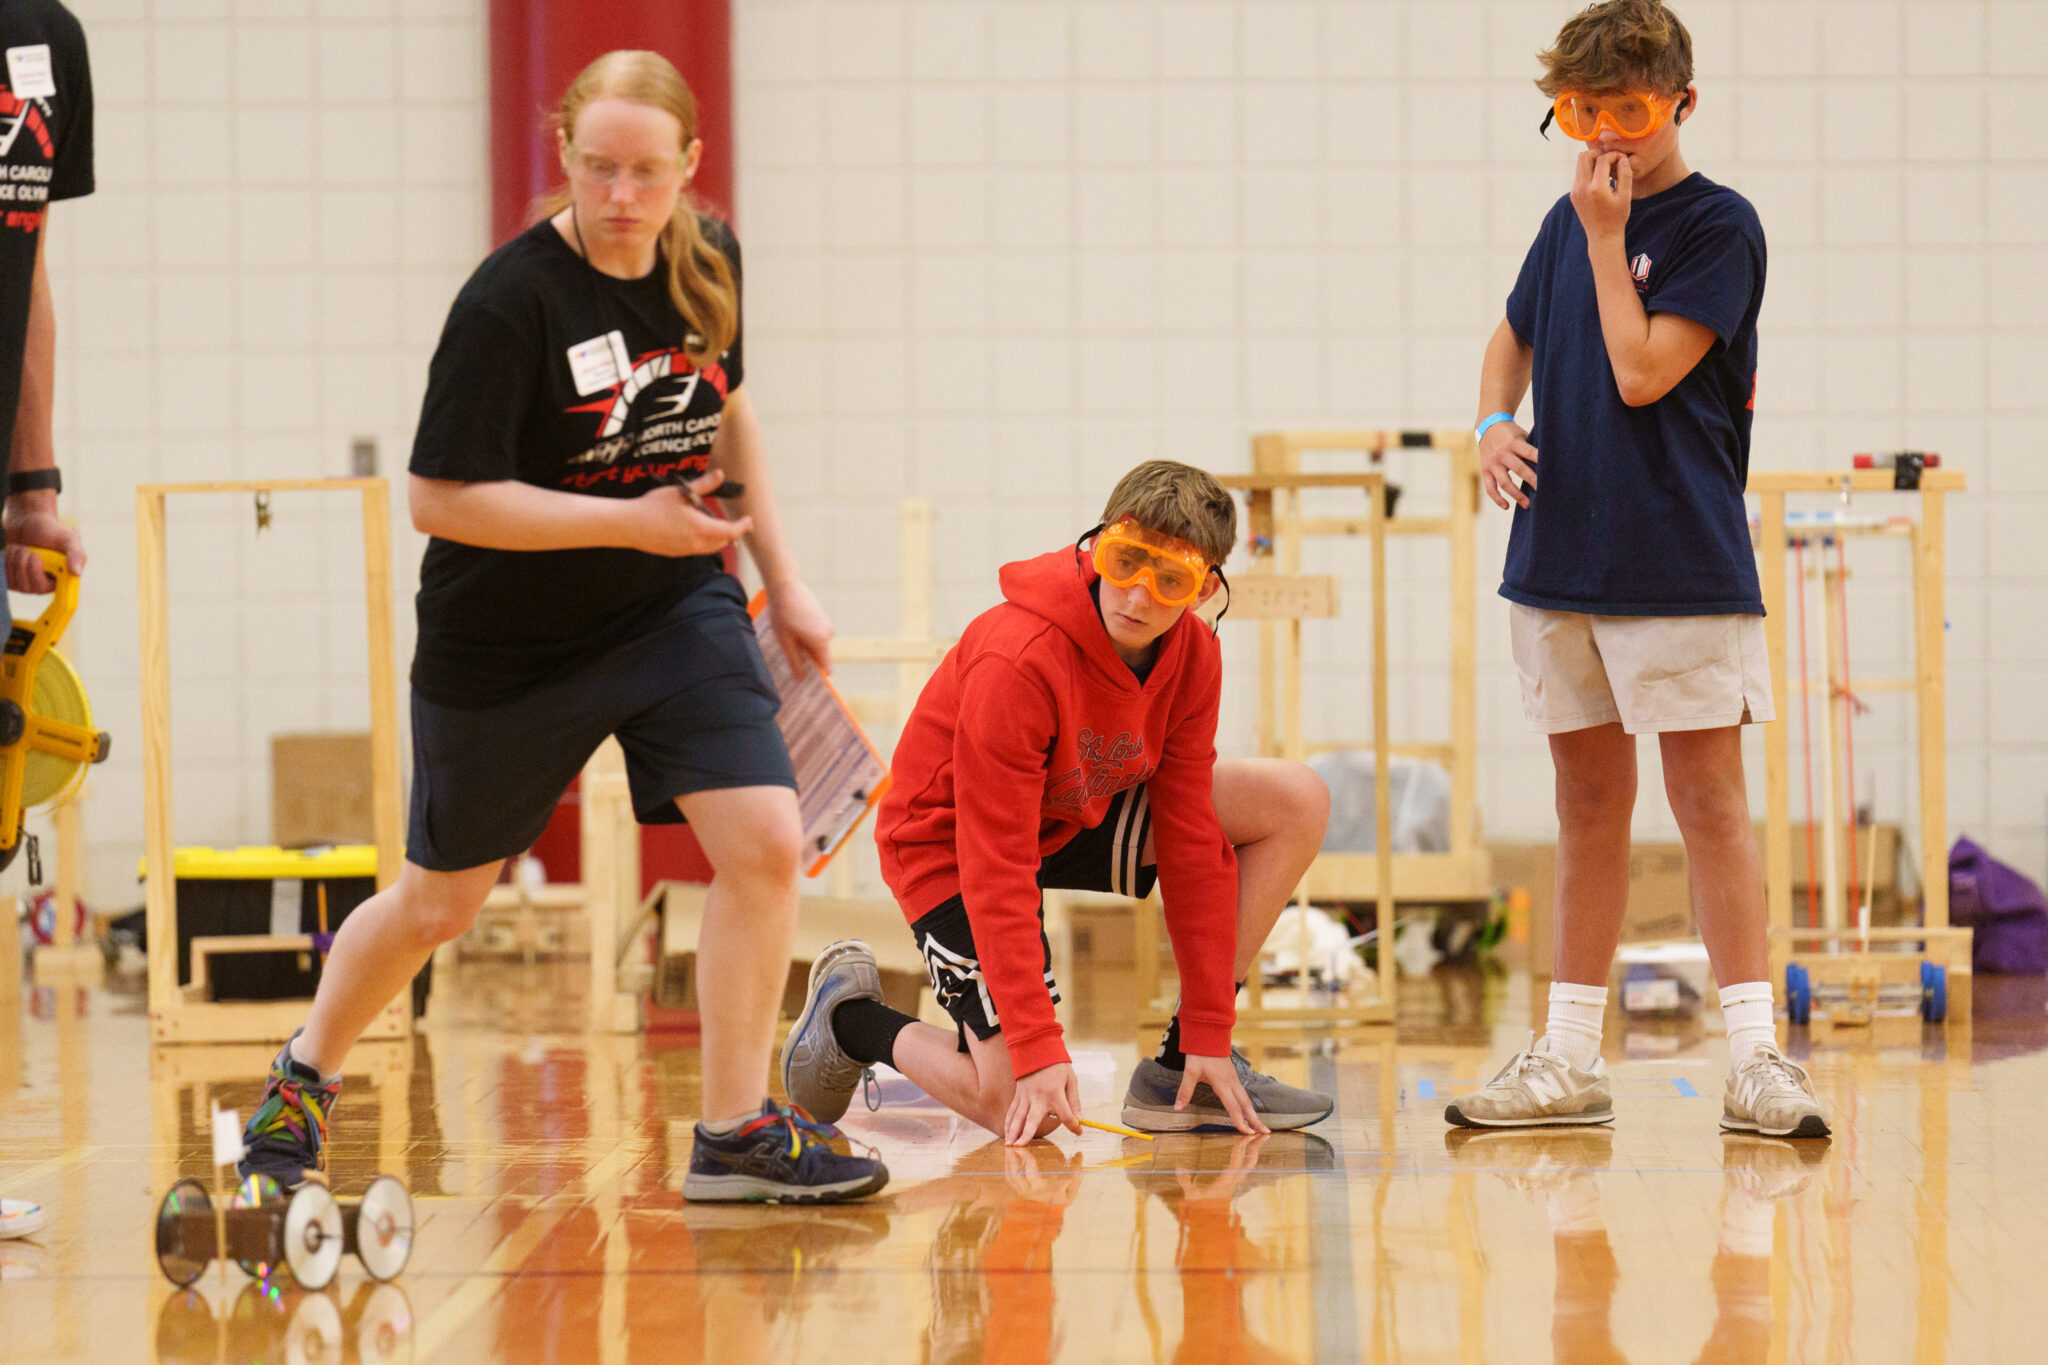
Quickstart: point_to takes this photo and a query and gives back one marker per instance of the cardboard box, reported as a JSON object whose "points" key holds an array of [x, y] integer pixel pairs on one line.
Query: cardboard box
{"points": [[1659, 895], [320, 790]]}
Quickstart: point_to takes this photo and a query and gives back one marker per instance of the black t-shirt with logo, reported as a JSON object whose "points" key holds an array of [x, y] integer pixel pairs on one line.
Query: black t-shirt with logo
{"points": [[555, 374], [45, 154]]}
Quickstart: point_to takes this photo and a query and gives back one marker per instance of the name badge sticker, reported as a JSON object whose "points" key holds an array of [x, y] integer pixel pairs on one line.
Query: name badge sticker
{"points": [[596, 364], [29, 73]]}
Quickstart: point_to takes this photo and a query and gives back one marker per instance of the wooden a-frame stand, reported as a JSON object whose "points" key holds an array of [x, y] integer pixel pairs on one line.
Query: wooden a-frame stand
{"points": [[183, 1014], [1464, 872], [1830, 957]]}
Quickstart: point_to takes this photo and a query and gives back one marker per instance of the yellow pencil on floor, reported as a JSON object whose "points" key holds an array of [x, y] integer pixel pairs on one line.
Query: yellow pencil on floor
{"points": [[1112, 1128]]}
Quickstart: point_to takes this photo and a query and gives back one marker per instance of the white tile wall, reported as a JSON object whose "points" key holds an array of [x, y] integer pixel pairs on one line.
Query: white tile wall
{"points": [[999, 251], [289, 195], [1095, 231]]}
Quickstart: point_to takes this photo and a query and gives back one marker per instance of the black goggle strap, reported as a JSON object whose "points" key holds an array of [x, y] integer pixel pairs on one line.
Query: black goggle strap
{"points": [[1216, 626]]}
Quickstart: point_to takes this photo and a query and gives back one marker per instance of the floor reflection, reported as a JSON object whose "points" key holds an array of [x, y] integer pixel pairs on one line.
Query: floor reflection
{"points": [[267, 1322], [546, 1163]]}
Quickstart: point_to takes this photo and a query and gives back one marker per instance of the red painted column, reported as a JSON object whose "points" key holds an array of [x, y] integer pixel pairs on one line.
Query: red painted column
{"points": [[537, 46]]}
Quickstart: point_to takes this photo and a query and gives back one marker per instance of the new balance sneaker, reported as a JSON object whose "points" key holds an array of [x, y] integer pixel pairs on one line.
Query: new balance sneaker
{"points": [[781, 1157], [1148, 1102], [19, 1218], [817, 1075], [1536, 1088], [1772, 1094], [286, 1138]]}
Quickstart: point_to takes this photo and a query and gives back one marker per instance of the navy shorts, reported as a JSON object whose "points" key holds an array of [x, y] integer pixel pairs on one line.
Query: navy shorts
{"points": [[1108, 858], [690, 701]]}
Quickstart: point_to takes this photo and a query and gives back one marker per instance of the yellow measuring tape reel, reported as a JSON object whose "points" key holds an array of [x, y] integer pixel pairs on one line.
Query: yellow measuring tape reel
{"points": [[46, 735]]}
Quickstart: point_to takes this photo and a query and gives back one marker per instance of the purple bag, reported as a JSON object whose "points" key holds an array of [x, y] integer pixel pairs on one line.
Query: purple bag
{"points": [[2006, 909]]}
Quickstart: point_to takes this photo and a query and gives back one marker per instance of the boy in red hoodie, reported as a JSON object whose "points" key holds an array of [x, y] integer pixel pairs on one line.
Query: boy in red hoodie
{"points": [[1068, 741]]}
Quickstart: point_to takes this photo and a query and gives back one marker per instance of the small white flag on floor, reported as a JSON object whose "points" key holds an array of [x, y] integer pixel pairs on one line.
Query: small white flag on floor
{"points": [[227, 1137]]}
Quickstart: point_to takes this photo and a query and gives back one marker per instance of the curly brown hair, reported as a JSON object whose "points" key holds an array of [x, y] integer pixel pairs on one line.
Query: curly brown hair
{"points": [[1619, 45]]}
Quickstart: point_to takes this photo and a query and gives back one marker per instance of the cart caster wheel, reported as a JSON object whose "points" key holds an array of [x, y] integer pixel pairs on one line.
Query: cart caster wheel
{"points": [[1798, 994], [1933, 992]]}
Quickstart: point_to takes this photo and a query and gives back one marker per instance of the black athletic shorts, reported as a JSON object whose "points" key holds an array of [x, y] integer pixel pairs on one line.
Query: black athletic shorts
{"points": [[1108, 858], [690, 701]]}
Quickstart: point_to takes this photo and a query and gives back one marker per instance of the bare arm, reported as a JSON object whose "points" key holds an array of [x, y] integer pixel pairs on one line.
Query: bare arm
{"points": [[510, 515], [739, 453], [1649, 352], [1505, 454], [31, 517]]}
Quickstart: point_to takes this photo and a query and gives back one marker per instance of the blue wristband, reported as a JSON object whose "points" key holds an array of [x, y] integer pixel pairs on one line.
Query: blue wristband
{"points": [[1480, 434]]}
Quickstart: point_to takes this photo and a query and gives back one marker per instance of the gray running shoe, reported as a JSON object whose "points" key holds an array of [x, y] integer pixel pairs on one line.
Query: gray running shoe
{"points": [[816, 1075], [1772, 1094], [1148, 1103], [1536, 1088]]}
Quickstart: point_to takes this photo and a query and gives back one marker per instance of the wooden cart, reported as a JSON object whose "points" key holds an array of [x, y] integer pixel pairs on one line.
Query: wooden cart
{"points": [[1933, 957]]}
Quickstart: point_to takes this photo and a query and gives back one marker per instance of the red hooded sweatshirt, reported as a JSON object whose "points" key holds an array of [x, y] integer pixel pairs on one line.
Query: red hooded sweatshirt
{"points": [[1024, 733]]}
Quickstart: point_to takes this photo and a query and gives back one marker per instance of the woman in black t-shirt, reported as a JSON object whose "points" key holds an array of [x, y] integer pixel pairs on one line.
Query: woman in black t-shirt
{"points": [[586, 396]]}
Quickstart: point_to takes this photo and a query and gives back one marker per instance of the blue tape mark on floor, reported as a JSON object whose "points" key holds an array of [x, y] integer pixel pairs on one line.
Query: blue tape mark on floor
{"points": [[1425, 1089], [1685, 1087]]}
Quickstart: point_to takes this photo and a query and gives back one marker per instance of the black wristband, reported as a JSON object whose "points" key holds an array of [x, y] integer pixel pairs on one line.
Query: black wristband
{"points": [[33, 480]]}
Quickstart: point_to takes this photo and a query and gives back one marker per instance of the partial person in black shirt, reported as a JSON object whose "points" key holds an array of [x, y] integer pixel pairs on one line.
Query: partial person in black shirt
{"points": [[45, 154], [586, 397]]}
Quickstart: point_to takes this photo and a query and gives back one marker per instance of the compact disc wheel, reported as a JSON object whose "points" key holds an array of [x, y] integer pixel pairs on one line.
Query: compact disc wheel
{"points": [[181, 1264], [312, 1236], [384, 1228]]}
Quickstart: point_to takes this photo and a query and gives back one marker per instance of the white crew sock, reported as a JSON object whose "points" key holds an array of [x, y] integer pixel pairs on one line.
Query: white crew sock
{"points": [[1576, 1013], [1752, 1020], [724, 1127]]}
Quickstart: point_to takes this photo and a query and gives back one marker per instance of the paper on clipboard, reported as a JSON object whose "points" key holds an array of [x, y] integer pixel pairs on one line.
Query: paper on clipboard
{"points": [[839, 775]]}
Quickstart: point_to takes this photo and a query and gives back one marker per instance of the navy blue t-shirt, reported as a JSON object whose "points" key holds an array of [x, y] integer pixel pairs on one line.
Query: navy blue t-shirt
{"points": [[1639, 511]]}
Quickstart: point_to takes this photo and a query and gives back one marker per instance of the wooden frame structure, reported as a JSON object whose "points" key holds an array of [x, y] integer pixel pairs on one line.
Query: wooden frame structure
{"points": [[1274, 489], [182, 1014], [1831, 959]]}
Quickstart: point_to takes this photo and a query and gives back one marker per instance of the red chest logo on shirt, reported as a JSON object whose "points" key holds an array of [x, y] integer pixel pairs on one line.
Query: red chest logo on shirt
{"points": [[649, 370], [1106, 767], [24, 182], [1640, 269]]}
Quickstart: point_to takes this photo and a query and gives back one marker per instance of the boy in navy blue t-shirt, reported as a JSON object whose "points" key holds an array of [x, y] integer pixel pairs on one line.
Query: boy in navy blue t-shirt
{"points": [[1634, 589]]}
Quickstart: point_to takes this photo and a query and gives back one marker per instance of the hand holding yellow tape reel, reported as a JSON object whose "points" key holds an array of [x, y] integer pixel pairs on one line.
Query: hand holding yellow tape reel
{"points": [[46, 734]]}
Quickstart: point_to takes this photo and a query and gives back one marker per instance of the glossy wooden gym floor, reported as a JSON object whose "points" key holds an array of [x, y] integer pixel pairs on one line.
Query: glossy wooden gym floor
{"points": [[547, 1165]]}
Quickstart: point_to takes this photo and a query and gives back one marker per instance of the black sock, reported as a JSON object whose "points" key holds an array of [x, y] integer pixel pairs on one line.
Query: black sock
{"points": [[1169, 1055], [867, 1029]]}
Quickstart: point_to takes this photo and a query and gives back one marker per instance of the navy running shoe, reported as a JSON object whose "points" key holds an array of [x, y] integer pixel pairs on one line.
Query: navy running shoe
{"points": [[781, 1157]]}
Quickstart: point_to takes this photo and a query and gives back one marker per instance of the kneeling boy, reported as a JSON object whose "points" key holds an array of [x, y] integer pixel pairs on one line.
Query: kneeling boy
{"points": [[1069, 735]]}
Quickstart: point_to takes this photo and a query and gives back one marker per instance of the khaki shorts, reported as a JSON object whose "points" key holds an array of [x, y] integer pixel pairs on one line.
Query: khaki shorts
{"points": [[1651, 673]]}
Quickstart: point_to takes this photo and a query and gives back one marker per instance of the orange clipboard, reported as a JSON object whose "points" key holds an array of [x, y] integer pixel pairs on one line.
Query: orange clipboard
{"points": [[839, 775]]}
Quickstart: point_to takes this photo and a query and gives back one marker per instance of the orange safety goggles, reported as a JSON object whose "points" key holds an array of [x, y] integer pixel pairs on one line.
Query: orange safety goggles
{"points": [[1172, 570], [1581, 114]]}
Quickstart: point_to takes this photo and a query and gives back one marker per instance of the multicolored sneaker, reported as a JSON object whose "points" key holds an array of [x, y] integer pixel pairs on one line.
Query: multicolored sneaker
{"points": [[1536, 1088], [782, 1157], [1772, 1094], [19, 1218], [817, 1075], [286, 1138], [1148, 1102]]}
